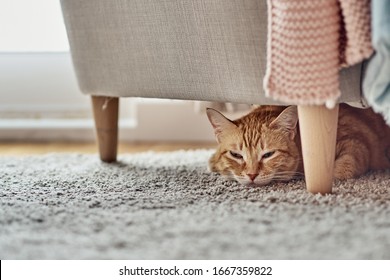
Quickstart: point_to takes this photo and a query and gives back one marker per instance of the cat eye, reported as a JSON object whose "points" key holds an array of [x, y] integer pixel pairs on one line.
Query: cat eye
{"points": [[235, 155], [267, 155]]}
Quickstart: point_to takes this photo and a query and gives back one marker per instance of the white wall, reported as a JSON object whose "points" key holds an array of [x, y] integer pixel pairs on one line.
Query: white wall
{"points": [[38, 83], [32, 26]]}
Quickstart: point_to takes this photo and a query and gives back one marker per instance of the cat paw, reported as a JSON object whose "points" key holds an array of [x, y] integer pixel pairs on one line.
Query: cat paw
{"points": [[348, 167], [345, 168], [343, 175]]}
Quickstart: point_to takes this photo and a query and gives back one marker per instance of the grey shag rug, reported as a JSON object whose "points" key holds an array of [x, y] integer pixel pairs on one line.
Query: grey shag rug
{"points": [[168, 206]]}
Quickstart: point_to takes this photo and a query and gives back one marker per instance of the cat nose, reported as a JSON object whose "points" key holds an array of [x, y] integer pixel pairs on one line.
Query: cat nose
{"points": [[252, 176]]}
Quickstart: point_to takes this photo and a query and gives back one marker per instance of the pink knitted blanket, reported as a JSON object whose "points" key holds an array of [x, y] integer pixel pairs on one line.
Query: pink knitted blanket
{"points": [[308, 42]]}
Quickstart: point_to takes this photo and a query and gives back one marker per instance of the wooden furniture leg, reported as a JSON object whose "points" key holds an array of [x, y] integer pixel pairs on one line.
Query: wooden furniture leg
{"points": [[105, 111], [318, 128]]}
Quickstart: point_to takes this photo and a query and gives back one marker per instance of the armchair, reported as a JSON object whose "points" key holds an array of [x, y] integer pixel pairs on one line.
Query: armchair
{"points": [[188, 49]]}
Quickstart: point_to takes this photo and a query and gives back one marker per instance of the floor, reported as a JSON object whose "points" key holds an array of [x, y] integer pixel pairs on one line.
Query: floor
{"points": [[30, 148]]}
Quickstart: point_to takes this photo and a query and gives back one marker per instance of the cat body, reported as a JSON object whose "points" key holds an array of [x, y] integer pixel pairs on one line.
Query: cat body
{"points": [[264, 145]]}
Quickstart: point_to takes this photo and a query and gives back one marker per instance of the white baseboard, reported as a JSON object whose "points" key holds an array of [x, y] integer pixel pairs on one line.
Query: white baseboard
{"points": [[152, 122]]}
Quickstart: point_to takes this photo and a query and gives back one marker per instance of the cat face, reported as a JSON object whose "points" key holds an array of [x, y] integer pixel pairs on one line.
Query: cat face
{"points": [[258, 148]]}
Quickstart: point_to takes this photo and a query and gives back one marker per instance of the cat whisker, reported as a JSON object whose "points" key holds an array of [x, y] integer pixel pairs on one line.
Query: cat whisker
{"points": [[289, 173], [280, 176], [282, 179]]}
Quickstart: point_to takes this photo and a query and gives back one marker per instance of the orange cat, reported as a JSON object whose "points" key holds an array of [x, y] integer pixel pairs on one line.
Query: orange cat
{"points": [[264, 145]]}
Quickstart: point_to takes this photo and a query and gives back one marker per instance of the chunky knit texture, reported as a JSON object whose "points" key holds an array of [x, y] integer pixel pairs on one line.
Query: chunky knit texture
{"points": [[355, 37], [308, 42]]}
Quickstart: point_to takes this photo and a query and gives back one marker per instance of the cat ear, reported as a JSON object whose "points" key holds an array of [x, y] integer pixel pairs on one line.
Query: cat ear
{"points": [[219, 122], [287, 119]]}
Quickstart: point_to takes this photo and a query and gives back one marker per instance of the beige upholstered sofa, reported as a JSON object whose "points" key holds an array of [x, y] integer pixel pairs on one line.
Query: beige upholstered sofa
{"points": [[212, 50]]}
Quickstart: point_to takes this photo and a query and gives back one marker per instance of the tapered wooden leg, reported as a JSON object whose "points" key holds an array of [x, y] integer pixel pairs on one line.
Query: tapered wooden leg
{"points": [[318, 128], [105, 111]]}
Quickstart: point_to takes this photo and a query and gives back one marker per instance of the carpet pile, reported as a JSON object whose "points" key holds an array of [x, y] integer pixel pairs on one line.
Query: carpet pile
{"points": [[168, 206]]}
